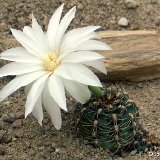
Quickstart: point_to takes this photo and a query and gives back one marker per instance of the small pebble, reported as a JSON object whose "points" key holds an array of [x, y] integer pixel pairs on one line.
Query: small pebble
{"points": [[17, 124], [54, 145], [80, 6], [8, 103], [20, 115], [4, 26], [57, 150], [123, 22], [19, 133], [21, 21], [2, 150], [124, 154], [31, 152], [45, 22], [81, 156], [135, 27], [145, 150], [10, 118], [133, 152], [140, 85], [131, 4], [6, 139], [47, 128]]}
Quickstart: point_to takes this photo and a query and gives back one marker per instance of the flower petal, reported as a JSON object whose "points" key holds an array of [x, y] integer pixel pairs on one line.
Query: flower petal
{"points": [[64, 25], [29, 32], [80, 32], [34, 93], [37, 39], [52, 108], [20, 54], [19, 82], [98, 64], [37, 28], [38, 109], [16, 68], [79, 73], [26, 42], [69, 47], [53, 27], [56, 90], [76, 35], [93, 45], [81, 56], [77, 90], [39, 35], [27, 88]]}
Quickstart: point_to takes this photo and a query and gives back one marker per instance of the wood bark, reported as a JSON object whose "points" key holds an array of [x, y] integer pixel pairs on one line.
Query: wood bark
{"points": [[135, 55]]}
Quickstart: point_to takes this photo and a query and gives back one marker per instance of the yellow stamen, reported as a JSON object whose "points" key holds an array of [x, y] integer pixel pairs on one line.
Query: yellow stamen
{"points": [[50, 61]]}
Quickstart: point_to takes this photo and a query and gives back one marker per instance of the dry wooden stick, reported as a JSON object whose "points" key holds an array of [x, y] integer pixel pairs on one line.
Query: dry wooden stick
{"points": [[135, 55]]}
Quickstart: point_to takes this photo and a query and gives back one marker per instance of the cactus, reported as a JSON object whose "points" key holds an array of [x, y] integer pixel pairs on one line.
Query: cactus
{"points": [[109, 122]]}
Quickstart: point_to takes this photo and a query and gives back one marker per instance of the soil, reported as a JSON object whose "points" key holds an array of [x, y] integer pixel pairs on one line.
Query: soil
{"points": [[25, 139]]}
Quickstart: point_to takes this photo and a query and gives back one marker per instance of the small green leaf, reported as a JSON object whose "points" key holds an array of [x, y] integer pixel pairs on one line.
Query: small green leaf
{"points": [[97, 91]]}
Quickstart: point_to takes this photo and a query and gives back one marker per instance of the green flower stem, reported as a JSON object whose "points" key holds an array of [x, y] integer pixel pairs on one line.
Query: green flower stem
{"points": [[97, 91]]}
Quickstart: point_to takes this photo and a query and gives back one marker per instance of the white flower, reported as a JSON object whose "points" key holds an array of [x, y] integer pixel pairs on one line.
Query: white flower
{"points": [[52, 62]]}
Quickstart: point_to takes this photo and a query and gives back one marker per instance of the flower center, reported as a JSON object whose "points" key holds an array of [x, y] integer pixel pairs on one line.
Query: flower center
{"points": [[50, 61]]}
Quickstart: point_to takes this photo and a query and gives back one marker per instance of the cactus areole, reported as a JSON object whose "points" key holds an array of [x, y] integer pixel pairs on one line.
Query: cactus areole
{"points": [[109, 122]]}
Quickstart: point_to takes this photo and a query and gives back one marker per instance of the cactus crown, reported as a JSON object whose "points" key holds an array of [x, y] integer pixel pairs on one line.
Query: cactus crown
{"points": [[110, 121]]}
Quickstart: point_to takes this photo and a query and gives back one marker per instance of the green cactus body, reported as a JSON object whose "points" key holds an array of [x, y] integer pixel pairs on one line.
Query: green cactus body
{"points": [[110, 122]]}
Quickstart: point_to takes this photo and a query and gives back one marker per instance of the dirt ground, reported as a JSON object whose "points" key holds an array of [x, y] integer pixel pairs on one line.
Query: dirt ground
{"points": [[25, 139]]}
